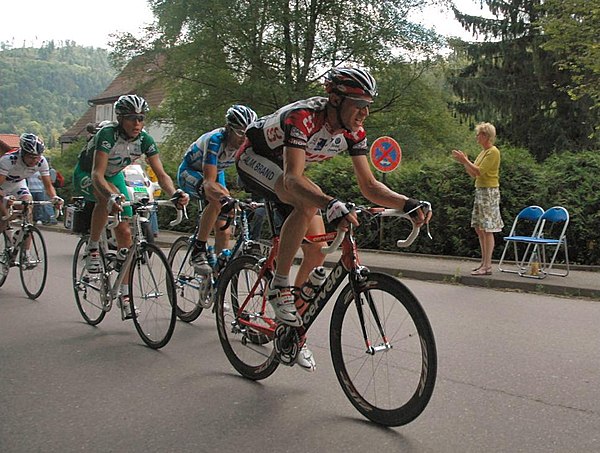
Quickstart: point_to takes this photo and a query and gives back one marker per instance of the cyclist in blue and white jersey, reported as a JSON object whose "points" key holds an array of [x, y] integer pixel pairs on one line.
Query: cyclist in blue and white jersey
{"points": [[202, 175]]}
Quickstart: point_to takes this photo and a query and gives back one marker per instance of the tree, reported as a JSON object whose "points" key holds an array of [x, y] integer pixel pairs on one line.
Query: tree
{"points": [[514, 82], [266, 53], [571, 28]]}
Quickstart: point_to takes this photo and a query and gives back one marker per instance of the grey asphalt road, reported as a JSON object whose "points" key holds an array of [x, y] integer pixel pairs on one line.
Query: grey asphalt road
{"points": [[517, 372]]}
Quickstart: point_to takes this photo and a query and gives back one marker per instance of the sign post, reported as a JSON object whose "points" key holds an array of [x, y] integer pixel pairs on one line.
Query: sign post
{"points": [[386, 155]]}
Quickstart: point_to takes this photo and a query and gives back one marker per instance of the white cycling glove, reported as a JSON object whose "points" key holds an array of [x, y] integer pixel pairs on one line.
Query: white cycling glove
{"points": [[113, 200], [57, 201], [336, 211]]}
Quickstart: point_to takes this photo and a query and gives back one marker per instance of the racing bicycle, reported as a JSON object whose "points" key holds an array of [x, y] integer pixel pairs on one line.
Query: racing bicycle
{"points": [[196, 292], [25, 250], [152, 295], [382, 344]]}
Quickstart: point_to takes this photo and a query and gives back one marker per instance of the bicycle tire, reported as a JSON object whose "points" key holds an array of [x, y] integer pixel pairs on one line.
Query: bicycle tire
{"points": [[88, 288], [152, 296], [250, 351], [390, 387], [33, 263], [5, 244], [187, 285]]}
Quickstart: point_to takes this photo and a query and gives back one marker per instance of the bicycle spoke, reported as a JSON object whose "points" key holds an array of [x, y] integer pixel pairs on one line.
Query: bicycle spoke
{"points": [[5, 258], [389, 379], [245, 329], [33, 264], [152, 296], [88, 287], [191, 290]]}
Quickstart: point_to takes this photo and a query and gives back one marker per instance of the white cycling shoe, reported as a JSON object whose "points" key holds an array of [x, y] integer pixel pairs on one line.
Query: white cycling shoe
{"points": [[306, 360], [282, 301]]}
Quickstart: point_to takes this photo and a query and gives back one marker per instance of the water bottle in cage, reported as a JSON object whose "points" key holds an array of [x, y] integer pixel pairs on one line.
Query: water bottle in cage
{"points": [[223, 258], [313, 283], [210, 256]]}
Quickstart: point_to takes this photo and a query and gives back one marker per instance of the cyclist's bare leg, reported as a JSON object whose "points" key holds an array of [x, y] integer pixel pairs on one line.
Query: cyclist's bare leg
{"points": [[209, 220], [3, 213], [292, 232], [99, 218], [221, 236], [29, 219], [312, 256]]}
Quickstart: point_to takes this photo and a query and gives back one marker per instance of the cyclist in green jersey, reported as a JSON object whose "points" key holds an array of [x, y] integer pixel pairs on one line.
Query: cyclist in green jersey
{"points": [[116, 146]]}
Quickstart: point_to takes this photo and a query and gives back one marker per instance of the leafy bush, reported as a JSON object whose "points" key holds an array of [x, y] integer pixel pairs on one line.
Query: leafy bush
{"points": [[568, 179]]}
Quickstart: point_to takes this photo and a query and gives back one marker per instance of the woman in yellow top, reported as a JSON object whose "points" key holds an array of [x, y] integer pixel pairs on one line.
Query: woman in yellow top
{"points": [[486, 218]]}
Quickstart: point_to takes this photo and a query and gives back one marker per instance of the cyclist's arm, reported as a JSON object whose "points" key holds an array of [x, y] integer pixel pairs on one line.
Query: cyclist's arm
{"points": [[47, 181], [212, 189], [98, 174], [375, 191], [296, 183], [164, 180]]}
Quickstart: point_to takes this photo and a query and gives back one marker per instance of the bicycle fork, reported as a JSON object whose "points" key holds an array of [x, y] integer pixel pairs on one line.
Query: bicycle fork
{"points": [[358, 281]]}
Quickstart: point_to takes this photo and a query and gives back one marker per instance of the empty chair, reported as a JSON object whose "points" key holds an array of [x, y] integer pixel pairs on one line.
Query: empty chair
{"points": [[525, 226], [552, 235]]}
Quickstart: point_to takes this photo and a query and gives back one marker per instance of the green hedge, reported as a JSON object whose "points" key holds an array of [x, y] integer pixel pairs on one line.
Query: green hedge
{"points": [[567, 179]]}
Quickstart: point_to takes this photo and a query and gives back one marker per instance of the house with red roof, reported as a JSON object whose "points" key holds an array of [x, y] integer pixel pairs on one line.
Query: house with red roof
{"points": [[140, 76], [8, 142]]}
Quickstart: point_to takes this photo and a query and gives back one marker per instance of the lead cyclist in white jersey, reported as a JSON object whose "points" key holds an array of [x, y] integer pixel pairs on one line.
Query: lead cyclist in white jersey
{"points": [[272, 162]]}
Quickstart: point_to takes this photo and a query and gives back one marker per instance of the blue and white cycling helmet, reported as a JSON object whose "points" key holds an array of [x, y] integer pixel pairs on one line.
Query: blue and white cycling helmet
{"points": [[31, 144], [131, 104], [240, 116]]}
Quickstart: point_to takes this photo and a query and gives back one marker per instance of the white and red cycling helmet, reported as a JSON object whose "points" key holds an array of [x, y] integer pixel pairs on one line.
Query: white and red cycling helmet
{"points": [[349, 81]]}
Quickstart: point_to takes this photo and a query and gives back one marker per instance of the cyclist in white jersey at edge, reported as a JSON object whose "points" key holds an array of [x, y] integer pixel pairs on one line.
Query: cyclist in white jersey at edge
{"points": [[272, 161], [16, 167]]}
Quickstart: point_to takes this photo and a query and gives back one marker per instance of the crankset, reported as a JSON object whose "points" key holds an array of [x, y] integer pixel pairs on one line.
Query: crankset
{"points": [[286, 342]]}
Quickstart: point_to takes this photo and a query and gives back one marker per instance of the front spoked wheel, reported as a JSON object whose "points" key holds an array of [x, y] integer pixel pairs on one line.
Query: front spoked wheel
{"points": [[5, 244], [191, 288], [152, 296], [246, 334], [88, 288], [390, 377], [33, 263]]}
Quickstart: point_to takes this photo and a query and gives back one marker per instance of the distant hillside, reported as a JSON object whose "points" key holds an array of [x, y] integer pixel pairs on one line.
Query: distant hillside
{"points": [[45, 90]]}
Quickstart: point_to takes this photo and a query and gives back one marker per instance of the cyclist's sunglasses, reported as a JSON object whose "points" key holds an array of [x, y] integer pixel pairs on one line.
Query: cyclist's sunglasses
{"points": [[360, 103], [134, 117], [237, 131]]}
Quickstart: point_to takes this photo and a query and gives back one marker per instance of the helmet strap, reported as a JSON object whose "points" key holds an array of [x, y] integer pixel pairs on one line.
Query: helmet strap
{"points": [[338, 112]]}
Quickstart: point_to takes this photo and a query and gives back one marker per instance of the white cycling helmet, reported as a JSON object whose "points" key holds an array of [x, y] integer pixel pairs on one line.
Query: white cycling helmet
{"points": [[348, 81], [240, 116], [31, 144], [131, 104]]}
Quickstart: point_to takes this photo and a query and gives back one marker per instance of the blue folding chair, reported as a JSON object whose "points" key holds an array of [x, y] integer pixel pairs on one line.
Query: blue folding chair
{"points": [[551, 233], [525, 226]]}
